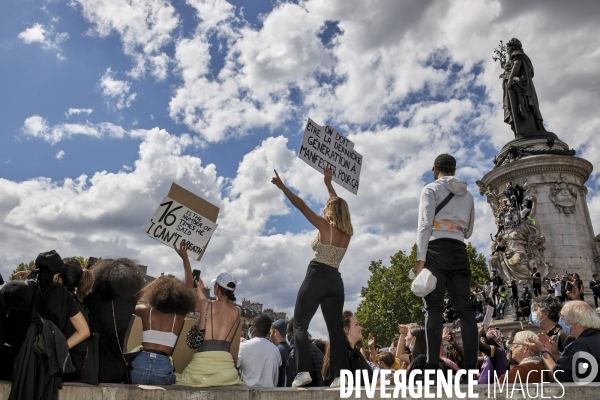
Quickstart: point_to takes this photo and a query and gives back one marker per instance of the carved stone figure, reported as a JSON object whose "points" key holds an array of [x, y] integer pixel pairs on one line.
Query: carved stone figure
{"points": [[524, 246], [564, 198], [520, 102]]}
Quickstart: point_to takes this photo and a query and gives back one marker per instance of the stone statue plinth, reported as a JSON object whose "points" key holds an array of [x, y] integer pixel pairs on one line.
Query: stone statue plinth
{"points": [[562, 238]]}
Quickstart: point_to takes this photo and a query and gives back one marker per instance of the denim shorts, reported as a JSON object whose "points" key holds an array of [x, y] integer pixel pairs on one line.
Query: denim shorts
{"points": [[152, 369]]}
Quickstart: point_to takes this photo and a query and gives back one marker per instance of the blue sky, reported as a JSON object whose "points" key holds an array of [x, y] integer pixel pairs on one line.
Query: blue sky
{"points": [[105, 103]]}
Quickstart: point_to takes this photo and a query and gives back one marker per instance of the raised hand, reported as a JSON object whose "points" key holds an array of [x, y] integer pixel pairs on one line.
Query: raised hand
{"points": [[182, 250], [403, 329], [371, 341], [328, 175], [276, 180]]}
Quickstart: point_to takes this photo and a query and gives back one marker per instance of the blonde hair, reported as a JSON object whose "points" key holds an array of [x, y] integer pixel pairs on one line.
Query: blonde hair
{"points": [[338, 215]]}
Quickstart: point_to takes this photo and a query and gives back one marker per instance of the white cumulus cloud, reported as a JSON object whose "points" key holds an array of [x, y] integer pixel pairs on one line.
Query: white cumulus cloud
{"points": [[38, 127], [116, 91], [144, 26], [77, 111], [60, 155]]}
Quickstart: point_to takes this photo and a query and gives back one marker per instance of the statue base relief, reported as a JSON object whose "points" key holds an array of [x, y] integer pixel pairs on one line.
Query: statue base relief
{"points": [[560, 236]]}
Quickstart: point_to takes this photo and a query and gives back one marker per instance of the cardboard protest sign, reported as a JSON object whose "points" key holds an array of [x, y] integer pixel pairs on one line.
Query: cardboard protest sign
{"points": [[323, 146], [183, 215]]}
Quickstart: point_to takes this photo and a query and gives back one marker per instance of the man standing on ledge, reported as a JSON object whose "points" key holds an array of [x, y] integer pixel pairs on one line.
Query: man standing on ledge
{"points": [[446, 215]]}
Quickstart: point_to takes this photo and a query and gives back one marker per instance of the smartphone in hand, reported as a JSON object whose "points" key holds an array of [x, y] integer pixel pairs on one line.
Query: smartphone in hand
{"points": [[196, 275]]}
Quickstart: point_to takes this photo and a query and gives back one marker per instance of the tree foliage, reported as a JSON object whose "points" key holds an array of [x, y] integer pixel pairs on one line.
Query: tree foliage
{"points": [[31, 264], [388, 301]]}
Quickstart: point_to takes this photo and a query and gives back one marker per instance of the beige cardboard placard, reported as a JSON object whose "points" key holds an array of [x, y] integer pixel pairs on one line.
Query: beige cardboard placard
{"points": [[323, 146], [183, 216], [182, 354]]}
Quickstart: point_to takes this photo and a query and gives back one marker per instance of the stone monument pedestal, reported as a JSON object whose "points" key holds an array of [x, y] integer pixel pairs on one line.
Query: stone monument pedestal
{"points": [[550, 173]]}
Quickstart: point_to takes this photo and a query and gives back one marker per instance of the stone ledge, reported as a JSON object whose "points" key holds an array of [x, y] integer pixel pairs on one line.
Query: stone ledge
{"points": [[75, 391]]}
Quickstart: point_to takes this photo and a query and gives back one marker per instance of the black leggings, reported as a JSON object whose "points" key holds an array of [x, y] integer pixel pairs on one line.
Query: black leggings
{"points": [[322, 286], [448, 261]]}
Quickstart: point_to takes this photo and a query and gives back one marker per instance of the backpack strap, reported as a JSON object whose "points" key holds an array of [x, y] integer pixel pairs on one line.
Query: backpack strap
{"points": [[443, 203]]}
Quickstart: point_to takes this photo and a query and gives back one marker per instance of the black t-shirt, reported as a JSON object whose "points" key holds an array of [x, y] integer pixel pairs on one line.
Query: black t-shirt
{"points": [[78, 352], [112, 366], [537, 278], [59, 305], [54, 303]]}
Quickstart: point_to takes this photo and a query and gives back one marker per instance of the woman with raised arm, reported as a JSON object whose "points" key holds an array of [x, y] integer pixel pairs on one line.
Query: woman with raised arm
{"points": [[167, 301], [214, 362], [323, 285]]}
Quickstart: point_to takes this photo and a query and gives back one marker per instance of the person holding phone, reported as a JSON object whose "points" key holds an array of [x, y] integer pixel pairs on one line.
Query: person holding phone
{"points": [[214, 362], [323, 285]]}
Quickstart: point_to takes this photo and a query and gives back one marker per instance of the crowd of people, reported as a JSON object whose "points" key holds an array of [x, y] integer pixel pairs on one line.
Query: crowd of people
{"points": [[66, 322]]}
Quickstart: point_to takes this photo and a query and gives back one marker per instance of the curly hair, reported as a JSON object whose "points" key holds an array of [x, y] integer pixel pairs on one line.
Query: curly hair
{"points": [[548, 303], [117, 278], [169, 295]]}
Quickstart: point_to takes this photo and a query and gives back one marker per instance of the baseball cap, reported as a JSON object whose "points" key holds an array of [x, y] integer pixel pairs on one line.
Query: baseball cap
{"points": [[49, 261], [281, 326], [445, 161], [226, 281]]}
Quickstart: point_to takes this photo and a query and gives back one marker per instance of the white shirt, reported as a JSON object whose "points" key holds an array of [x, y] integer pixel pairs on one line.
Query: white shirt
{"points": [[557, 288], [258, 362]]}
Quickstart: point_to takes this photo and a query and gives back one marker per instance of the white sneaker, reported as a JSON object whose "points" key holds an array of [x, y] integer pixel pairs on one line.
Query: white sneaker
{"points": [[335, 383], [302, 379]]}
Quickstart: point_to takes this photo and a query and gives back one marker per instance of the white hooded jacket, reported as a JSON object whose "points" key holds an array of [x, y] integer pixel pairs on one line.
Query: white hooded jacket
{"points": [[454, 221]]}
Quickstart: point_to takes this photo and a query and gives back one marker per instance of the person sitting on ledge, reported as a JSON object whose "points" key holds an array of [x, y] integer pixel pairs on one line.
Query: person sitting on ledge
{"points": [[530, 368], [214, 363], [580, 321], [168, 301]]}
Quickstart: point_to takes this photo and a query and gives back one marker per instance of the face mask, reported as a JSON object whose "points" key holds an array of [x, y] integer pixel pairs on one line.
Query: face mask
{"points": [[533, 318], [411, 347], [563, 324], [249, 334]]}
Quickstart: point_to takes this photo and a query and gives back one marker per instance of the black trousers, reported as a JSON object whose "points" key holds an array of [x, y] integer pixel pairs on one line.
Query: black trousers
{"points": [[537, 289], [322, 286], [448, 261], [596, 297]]}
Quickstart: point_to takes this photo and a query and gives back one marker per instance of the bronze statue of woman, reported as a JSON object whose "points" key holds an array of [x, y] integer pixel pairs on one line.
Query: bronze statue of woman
{"points": [[520, 103]]}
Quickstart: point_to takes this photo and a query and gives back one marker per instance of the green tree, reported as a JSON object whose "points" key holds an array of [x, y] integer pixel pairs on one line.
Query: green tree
{"points": [[479, 269], [30, 265], [387, 300]]}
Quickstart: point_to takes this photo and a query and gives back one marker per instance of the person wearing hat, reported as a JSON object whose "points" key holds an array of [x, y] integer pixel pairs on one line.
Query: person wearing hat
{"points": [[42, 294], [446, 216], [278, 338], [214, 362]]}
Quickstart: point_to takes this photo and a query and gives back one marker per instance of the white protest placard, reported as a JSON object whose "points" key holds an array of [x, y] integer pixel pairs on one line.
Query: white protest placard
{"points": [[487, 320], [180, 217], [323, 146]]}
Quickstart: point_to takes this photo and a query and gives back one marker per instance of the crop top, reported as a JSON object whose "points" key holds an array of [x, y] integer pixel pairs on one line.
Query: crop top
{"points": [[168, 339], [326, 253]]}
